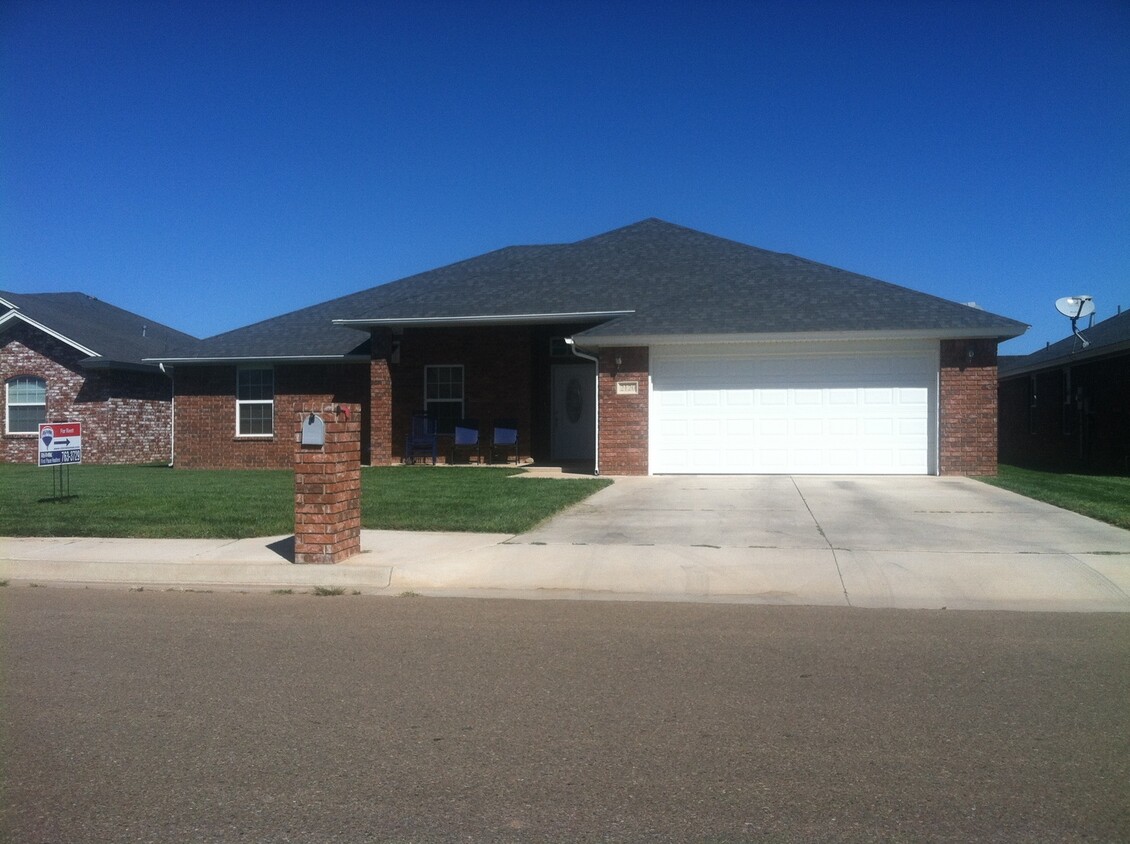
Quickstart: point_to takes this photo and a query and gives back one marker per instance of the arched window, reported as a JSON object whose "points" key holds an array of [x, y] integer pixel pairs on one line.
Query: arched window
{"points": [[27, 404]]}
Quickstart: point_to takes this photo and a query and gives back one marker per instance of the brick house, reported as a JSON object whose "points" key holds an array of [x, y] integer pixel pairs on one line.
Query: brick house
{"points": [[71, 357], [1067, 407], [648, 349]]}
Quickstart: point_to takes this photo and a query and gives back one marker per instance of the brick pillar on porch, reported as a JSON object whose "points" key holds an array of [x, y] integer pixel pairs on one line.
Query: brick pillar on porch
{"points": [[380, 399], [327, 487]]}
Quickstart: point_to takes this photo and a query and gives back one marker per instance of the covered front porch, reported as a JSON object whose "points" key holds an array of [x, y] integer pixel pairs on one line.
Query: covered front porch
{"points": [[485, 372]]}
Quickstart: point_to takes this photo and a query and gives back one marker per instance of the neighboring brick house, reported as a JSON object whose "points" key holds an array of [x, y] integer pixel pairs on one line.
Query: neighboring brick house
{"points": [[649, 349], [71, 357], [1066, 407]]}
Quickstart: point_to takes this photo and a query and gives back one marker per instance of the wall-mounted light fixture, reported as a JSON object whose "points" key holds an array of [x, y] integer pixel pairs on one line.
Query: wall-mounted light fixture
{"points": [[970, 352], [616, 368]]}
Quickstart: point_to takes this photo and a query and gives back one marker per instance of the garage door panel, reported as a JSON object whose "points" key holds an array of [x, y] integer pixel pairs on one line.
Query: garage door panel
{"points": [[739, 398], [912, 427], [739, 428], [808, 427], [848, 413], [878, 427]]}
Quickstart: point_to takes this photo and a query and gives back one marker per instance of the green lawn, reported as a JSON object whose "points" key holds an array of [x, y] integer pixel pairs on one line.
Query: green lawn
{"points": [[1102, 497], [155, 501]]}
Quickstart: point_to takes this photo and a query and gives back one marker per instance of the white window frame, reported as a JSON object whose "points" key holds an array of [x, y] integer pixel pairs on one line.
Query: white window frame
{"points": [[9, 404], [429, 401], [240, 403]]}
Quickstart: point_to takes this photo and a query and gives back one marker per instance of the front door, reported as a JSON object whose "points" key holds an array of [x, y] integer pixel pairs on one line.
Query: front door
{"points": [[573, 431]]}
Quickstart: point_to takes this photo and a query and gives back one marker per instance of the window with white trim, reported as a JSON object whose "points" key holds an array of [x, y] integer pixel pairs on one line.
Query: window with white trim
{"points": [[26, 404], [255, 402], [443, 396]]}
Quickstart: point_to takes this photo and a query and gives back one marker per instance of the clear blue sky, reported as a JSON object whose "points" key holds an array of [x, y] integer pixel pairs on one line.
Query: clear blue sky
{"points": [[210, 164]]}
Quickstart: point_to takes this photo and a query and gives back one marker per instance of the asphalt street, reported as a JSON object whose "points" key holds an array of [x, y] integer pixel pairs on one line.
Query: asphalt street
{"points": [[146, 716]]}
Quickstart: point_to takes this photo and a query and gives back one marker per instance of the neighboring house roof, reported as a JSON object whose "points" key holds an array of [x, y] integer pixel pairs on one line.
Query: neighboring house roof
{"points": [[644, 283], [109, 336], [1109, 337]]}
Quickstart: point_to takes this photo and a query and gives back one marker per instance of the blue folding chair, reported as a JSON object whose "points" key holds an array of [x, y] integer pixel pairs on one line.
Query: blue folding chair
{"points": [[422, 437], [505, 437], [467, 436]]}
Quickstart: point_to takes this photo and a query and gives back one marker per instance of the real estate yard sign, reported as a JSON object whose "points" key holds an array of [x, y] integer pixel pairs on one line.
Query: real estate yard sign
{"points": [[60, 444]]}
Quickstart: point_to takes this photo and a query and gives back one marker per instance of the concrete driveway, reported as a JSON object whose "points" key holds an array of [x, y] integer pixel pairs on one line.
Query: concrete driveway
{"points": [[890, 541]]}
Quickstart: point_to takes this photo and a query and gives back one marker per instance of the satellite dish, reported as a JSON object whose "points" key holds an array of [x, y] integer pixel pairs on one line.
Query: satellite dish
{"points": [[1074, 307]]}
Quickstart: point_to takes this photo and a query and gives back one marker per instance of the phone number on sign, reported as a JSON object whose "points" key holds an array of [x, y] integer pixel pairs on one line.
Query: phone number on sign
{"points": [[56, 458]]}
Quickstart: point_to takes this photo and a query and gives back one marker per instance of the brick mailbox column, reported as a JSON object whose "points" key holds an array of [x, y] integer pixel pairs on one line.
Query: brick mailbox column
{"points": [[327, 485]]}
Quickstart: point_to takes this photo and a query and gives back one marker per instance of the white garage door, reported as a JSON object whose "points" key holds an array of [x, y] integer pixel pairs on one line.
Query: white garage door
{"points": [[817, 408]]}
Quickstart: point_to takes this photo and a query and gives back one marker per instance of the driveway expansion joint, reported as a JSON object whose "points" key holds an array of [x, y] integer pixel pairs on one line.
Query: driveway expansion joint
{"points": [[831, 547]]}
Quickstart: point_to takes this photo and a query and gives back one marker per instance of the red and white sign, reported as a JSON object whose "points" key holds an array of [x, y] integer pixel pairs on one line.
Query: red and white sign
{"points": [[60, 443]]}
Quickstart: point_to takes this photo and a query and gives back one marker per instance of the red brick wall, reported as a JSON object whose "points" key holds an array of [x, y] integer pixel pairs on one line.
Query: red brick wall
{"points": [[327, 485], [623, 418], [380, 400], [967, 437], [125, 415], [206, 412]]}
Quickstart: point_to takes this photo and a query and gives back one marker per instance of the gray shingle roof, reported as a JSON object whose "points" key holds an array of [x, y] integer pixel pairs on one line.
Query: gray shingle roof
{"points": [[118, 337], [1107, 337], [674, 280]]}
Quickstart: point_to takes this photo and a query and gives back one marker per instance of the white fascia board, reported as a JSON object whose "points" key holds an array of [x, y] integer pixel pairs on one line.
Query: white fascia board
{"points": [[14, 315], [603, 340], [8, 304], [262, 359], [489, 319]]}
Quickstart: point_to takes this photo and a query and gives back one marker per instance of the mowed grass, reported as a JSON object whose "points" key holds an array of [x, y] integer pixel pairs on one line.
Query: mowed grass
{"points": [[158, 502], [474, 499], [1102, 497]]}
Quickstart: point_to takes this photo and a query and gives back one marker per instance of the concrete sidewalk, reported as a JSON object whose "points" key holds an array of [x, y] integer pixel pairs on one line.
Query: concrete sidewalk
{"points": [[862, 542], [393, 563]]}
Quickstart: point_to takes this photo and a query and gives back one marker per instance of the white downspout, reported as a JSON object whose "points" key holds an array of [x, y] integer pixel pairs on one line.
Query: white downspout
{"points": [[596, 392], [172, 414]]}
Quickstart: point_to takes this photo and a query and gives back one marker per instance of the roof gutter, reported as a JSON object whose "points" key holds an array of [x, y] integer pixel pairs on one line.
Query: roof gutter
{"points": [[597, 340], [1067, 359], [596, 410], [261, 359], [482, 319]]}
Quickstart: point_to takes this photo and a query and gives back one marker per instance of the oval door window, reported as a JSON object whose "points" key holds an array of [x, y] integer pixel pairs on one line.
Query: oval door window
{"points": [[574, 401]]}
